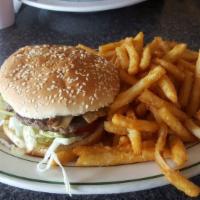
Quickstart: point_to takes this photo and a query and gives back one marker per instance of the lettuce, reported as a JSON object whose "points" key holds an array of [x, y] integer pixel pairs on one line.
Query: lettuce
{"points": [[51, 155], [3, 113], [32, 137]]}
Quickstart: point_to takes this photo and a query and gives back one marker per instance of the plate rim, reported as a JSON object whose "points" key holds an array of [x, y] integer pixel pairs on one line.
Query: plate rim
{"points": [[82, 6], [96, 183], [39, 183]]}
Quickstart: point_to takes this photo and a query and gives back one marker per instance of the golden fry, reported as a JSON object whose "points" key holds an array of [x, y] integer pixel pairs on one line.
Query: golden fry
{"points": [[182, 183], [171, 44], [162, 138], [171, 68], [178, 150], [195, 94], [136, 141], [98, 155], [127, 78], [146, 58], [108, 54], [168, 88], [193, 127], [150, 99], [187, 65], [112, 128], [157, 117], [109, 46], [175, 125], [138, 42], [129, 95], [186, 88], [133, 57], [164, 45], [64, 157], [175, 53], [190, 55], [140, 125], [155, 44], [123, 57], [174, 177]]}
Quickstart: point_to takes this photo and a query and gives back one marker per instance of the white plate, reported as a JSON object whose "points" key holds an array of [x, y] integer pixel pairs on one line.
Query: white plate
{"points": [[21, 172], [80, 5]]}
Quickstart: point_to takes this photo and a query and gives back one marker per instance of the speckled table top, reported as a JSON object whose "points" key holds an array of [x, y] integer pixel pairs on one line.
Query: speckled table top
{"points": [[176, 20]]}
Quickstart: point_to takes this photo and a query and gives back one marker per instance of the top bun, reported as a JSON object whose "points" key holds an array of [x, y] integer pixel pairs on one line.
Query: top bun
{"points": [[45, 81]]}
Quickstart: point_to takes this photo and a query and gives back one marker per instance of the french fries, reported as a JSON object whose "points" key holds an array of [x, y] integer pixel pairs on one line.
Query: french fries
{"points": [[65, 157], [98, 155], [168, 88], [195, 95], [175, 53], [150, 99], [133, 57], [136, 141], [129, 95], [112, 128], [187, 65], [178, 150], [195, 129], [109, 46], [155, 113], [171, 68], [146, 58], [140, 125], [190, 55], [175, 125], [127, 78], [138, 42], [174, 177], [123, 57], [185, 90]]}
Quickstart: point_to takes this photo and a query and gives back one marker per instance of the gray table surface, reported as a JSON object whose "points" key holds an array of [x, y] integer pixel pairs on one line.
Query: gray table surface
{"points": [[177, 20]]}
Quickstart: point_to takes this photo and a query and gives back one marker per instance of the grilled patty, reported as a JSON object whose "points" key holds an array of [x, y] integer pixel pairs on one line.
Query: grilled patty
{"points": [[77, 126]]}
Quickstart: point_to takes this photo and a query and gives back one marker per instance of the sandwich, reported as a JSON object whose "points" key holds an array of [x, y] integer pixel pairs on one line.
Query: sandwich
{"points": [[54, 91]]}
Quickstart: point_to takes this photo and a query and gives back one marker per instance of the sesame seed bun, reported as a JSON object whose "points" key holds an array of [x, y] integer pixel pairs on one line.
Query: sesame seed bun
{"points": [[45, 81]]}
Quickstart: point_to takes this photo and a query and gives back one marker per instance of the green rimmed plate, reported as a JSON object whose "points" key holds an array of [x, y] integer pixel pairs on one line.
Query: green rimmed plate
{"points": [[20, 171]]}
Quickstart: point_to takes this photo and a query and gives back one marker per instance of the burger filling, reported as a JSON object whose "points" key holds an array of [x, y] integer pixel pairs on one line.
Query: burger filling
{"points": [[28, 133]]}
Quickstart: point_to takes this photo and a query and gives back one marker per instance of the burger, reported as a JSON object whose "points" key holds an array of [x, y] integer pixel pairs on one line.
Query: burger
{"points": [[54, 91]]}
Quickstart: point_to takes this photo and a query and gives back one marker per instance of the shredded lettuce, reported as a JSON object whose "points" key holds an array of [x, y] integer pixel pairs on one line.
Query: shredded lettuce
{"points": [[32, 137], [3, 113], [29, 138], [50, 134], [15, 125], [51, 155]]}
